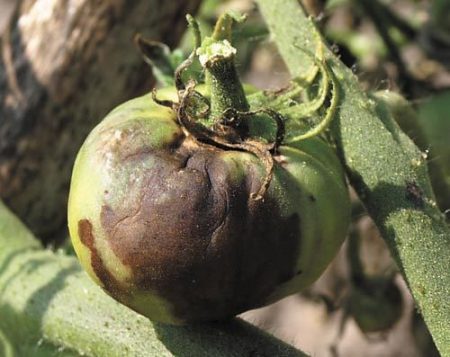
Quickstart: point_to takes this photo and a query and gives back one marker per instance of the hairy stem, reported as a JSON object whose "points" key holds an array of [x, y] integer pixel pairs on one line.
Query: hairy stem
{"points": [[386, 169]]}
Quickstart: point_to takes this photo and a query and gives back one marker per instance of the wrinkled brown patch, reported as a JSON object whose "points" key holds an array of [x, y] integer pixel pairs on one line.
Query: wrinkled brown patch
{"points": [[87, 238], [196, 238]]}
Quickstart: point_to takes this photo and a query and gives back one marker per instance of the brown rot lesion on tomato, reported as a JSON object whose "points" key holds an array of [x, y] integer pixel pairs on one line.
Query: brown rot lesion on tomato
{"points": [[206, 277], [108, 280]]}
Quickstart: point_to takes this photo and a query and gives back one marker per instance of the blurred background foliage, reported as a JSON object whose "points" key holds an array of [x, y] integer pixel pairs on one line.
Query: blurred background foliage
{"points": [[398, 49]]}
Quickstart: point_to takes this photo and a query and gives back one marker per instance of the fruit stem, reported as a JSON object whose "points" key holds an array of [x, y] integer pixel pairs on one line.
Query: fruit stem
{"points": [[216, 55]]}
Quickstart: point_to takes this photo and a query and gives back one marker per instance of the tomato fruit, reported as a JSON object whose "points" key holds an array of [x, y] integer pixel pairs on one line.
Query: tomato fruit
{"points": [[169, 225]]}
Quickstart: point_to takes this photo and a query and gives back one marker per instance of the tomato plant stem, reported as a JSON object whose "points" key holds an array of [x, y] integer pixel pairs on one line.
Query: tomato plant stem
{"points": [[387, 170]]}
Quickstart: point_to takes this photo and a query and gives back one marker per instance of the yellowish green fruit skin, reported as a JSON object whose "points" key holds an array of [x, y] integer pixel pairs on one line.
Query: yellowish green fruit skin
{"points": [[121, 158], [88, 183]]}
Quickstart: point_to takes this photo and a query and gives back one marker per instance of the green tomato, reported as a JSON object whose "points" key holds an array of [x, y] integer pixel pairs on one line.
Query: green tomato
{"points": [[168, 226]]}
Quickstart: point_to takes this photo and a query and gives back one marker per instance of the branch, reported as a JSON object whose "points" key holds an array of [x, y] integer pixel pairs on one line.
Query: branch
{"points": [[387, 170], [50, 300]]}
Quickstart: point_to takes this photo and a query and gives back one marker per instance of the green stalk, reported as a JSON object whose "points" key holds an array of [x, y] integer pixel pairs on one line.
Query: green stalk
{"points": [[386, 169], [49, 307], [217, 55]]}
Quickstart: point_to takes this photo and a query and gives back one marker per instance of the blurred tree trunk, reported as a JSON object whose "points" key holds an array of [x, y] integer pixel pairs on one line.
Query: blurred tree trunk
{"points": [[63, 66]]}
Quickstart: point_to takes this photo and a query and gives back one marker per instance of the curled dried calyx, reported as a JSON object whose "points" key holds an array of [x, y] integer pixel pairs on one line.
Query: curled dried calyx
{"points": [[222, 120]]}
